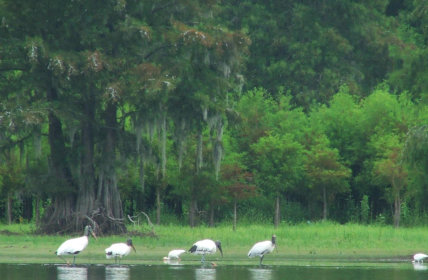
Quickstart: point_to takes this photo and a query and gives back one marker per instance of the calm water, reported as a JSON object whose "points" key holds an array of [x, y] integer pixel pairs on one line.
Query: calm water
{"points": [[161, 272]]}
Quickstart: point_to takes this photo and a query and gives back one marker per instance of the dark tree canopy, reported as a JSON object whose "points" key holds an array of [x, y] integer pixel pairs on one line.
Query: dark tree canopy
{"points": [[206, 111]]}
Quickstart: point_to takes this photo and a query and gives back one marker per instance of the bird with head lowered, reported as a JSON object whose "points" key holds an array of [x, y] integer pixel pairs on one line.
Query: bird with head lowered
{"points": [[206, 246], [119, 250]]}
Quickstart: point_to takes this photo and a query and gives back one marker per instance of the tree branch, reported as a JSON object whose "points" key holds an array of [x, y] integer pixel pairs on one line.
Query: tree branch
{"points": [[148, 220], [156, 50], [156, 9], [5, 68], [94, 224], [9, 143]]}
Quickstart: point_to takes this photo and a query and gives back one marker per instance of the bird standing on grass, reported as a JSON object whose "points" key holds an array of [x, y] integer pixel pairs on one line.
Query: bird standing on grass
{"points": [[206, 246], [260, 249], [119, 250], [419, 257], [76, 245]]}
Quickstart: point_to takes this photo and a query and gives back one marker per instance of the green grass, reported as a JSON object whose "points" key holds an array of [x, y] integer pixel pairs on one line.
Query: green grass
{"points": [[304, 243]]}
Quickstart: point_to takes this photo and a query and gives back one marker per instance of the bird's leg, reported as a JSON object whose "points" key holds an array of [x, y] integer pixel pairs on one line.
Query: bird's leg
{"points": [[261, 259], [115, 259], [74, 260], [66, 261], [203, 258]]}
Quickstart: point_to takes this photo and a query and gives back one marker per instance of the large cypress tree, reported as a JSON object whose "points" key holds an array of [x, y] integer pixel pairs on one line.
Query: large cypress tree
{"points": [[93, 66]]}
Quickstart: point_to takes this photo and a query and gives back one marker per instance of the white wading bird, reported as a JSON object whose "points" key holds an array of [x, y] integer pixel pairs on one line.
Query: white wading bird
{"points": [[206, 246], [119, 250], [419, 257], [76, 245], [260, 249], [174, 255]]}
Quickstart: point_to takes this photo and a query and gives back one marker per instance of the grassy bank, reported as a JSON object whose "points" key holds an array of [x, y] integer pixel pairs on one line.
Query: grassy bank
{"points": [[297, 243]]}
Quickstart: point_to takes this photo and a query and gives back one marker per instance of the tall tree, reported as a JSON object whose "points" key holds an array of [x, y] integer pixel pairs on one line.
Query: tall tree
{"points": [[326, 174], [279, 167], [238, 185], [389, 170]]}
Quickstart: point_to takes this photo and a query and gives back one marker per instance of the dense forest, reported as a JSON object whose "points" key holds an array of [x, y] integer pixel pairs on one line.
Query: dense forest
{"points": [[200, 112]]}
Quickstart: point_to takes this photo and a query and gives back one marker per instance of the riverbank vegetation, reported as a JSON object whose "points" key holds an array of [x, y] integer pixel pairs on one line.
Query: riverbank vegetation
{"points": [[324, 241], [212, 112]]}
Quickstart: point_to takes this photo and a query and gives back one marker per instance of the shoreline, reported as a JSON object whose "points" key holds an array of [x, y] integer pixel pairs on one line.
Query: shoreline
{"points": [[297, 245]]}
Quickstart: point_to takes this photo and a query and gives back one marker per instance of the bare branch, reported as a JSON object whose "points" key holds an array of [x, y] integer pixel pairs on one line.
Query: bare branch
{"points": [[132, 221], [156, 50], [148, 220], [94, 224], [158, 8], [6, 68]]}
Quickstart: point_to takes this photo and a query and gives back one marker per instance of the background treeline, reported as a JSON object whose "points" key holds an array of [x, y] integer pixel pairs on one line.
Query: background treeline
{"points": [[201, 112]]}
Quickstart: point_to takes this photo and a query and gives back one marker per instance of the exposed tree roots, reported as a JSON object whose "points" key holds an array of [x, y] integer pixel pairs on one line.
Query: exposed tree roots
{"points": [[99, 219]]}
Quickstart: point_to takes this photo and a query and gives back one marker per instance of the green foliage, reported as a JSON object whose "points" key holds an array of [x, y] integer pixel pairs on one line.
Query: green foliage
{"points": [[341, 123], [314, 48], [321, 104], [12, 177], [279, 162], [416, 147]]}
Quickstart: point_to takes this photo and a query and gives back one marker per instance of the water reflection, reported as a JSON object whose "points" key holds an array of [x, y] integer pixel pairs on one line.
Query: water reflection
{"points": [[419, 266], [354, 271], [172, 262], [205, 273], [72, 272], [117, 273], [261, 273]]}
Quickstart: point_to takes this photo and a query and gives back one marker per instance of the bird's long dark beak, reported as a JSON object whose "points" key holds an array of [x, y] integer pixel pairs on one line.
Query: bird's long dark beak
{"points": [[134, 248], [221, 251]]}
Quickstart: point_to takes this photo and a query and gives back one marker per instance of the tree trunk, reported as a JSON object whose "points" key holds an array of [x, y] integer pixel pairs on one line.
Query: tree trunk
{"points": [[198, 166], [37, 211], [163, 146], [109, 214], [9, 209], [158, 206], [141, 172], [58, 217], [234, 215], [181, 133], [397, 210], [277, 211], [27, 207], [192, 213], [218, 146], [211, 215], [199, 158], [324, 200], [86, 193], [161, 186]]}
